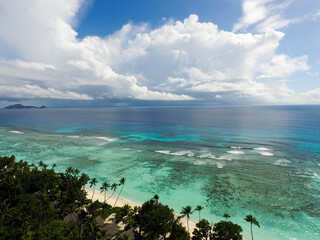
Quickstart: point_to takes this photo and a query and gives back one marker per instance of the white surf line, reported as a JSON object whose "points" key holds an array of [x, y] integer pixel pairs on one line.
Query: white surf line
{"points": [[17, 132]]}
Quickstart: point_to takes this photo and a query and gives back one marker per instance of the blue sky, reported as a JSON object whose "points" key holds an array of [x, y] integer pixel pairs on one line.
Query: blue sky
{"points": [[109, 52], [104, 17]]}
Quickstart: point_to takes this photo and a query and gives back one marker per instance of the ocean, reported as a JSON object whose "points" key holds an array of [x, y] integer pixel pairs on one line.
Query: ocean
{"points": [[263, 161]]}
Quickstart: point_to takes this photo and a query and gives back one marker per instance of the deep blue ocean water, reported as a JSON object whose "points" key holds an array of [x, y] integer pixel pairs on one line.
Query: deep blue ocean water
{"points": [[263, 161]]}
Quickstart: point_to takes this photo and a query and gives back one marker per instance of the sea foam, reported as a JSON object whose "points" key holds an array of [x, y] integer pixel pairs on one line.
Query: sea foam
{"points": [[268, 154], [208, 155], [74, 136], [106, 139], [17, 132], [163, 152], [211, 156], [282, 162], [233, 147], [206, 162], [236, 152], [262, 149], [181, 153]]}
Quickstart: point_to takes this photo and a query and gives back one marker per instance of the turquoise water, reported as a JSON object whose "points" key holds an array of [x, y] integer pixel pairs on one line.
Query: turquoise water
{"points": [[263, 161]]}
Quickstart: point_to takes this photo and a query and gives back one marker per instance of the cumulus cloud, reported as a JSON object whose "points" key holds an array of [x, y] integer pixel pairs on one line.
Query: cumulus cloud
{"points": [[282, 66], [182, 60]]}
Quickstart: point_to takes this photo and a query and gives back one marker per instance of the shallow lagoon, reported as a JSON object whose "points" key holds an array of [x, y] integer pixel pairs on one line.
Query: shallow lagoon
{"points": [[263, 161]]}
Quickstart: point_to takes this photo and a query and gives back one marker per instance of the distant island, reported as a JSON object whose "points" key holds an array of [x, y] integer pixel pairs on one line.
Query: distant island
{"points": [[20, 106]]}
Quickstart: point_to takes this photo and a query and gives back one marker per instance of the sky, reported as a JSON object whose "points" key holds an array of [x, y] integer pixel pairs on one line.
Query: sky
{"points": [[149, 52]]}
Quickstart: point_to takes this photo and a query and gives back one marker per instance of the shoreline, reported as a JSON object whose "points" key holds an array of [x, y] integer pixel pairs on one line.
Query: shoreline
{"points": [[123, 201]]}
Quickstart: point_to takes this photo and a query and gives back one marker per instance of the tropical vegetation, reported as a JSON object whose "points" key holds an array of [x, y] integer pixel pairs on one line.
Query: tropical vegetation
{"points": [[38, 203]]}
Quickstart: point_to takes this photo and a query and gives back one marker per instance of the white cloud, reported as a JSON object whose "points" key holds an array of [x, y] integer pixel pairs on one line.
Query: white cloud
{"points": [[254, 11], [282, 66], [316, 16], [263, 15], [34, 91], [180, 60], [312, 96]]}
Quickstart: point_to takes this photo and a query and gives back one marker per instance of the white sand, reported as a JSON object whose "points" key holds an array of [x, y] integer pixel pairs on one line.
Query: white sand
{"points": [[121, 202]]}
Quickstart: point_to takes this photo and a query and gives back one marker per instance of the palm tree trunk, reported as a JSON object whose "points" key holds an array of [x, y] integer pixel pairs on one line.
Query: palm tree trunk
{"points": [[199, 217], [188, 225], [118, 196], [111, 195], [251, 232], [93, 194]]}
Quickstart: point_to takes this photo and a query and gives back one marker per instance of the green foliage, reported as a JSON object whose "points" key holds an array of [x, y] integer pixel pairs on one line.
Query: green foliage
{"points": [[122, 237], [121, 183], [252, 220], [225, 231], [198, 208], [122, 213], [34, 201], [226, 215], [186, 212], [202, 231], [56, 229], [154, 220], [91, 229], [93, 208], [178, 232]]}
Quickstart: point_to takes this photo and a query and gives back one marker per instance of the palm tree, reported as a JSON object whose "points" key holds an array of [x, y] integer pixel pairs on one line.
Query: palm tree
{"points": [[114, 188], [156, 198], [199, 208], [122, 181], [186, 212], [104, 188], [226, 215], [252, 220], [6, 211], [43, 165], [93, 183]]}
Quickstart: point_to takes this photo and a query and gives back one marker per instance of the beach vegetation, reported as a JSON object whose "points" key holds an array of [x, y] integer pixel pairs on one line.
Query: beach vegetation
{"points": [[253, 221], [224, 230], [198, 208], [186, 212], [37, 203], [153, 220], [93, 183], [103, 189], [226, 215], [122, 181], [114, 187], [202, 230]]}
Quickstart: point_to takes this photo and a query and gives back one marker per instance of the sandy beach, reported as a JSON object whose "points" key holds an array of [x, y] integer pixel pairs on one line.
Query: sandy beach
{"points": [[122, 201]]}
